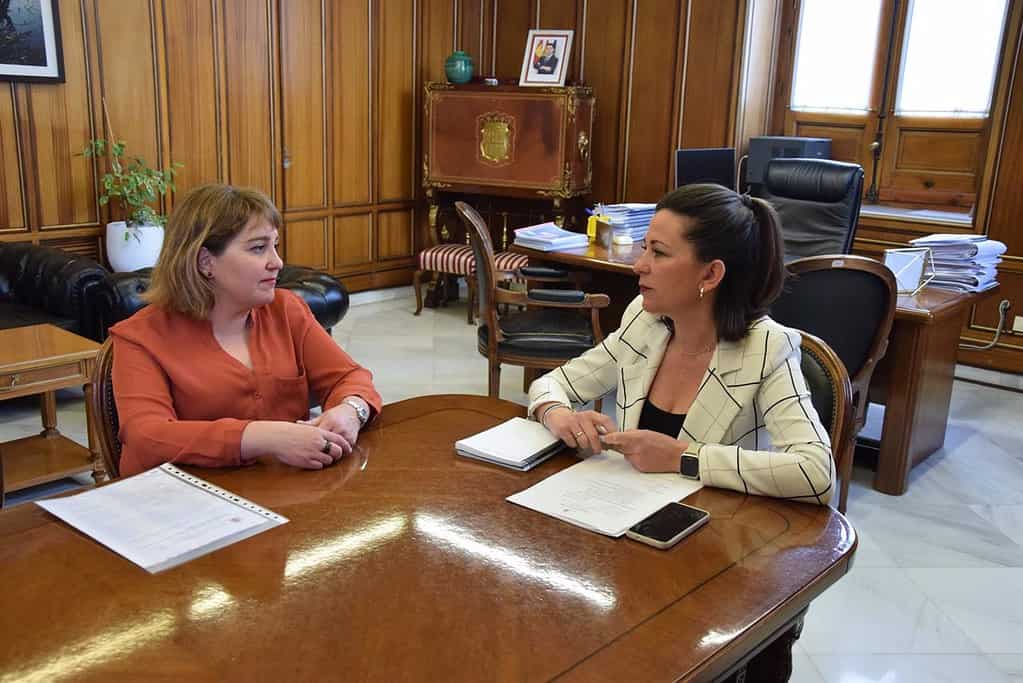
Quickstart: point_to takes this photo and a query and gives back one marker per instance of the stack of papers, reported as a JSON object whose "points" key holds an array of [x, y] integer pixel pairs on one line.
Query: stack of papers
{"points": [[163, 517], [963, 263], [629, 219], [518, 443], [549, 237], [604, 493]]}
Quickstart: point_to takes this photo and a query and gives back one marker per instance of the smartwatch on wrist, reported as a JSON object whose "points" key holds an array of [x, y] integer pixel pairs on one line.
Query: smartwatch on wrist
{"points": [[689, 467], [361, 411]]}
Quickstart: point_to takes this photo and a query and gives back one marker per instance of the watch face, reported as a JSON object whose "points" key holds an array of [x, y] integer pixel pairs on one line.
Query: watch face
{"points": [[690, 466]]}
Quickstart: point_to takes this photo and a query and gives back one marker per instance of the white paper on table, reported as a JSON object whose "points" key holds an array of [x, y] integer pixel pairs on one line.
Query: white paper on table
{"points": [[163, 517], [604, 493]]}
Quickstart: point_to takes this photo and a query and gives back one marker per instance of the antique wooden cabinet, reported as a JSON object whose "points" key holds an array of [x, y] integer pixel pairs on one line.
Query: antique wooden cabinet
{"points": [[527, 143]]}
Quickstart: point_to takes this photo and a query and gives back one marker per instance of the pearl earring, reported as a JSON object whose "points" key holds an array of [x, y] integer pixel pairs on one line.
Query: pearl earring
{"points": [[701, 291]]}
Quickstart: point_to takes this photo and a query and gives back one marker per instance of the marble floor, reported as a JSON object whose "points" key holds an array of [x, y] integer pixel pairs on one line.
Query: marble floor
{"points": [[936, 591]]}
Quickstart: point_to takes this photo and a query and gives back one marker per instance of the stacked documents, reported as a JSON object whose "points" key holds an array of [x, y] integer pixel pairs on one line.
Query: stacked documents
{"points": [[604, 493], [628, 219], [549, 237], [963, 263], [518, 443]]}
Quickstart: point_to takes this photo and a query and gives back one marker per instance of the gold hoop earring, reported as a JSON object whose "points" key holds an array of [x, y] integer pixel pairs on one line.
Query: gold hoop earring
{"points": [[701, 291]]}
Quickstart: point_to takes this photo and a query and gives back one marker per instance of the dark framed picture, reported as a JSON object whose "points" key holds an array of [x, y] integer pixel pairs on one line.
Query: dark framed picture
{"points": [[546, 58], [30, 41]]}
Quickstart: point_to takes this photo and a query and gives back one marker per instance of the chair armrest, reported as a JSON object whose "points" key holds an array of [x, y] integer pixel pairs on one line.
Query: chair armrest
{"points": [[541, 272]]}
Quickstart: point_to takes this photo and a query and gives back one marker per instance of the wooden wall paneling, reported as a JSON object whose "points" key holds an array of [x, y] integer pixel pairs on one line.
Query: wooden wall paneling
{"points": [[513, 20], [471, 33], [59, 119], [564, 14], [396, 113], [710, 71], [305, 243], [606, 39], [303, 105], [351, 57], [12, 197], [759, 48], [436, 39], [353, 242], [652, 111], [83, 245], [936, 161], [193, 119], [249, 117], [850, 140], [394, 234], [127, 65]]}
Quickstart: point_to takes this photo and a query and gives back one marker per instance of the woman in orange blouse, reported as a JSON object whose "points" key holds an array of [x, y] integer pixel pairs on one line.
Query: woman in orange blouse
{"points": [[217, 370]]}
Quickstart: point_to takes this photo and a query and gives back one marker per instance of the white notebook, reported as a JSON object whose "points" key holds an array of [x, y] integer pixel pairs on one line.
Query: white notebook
{"points": [[163, 517], [517, 443], [604, 493]]}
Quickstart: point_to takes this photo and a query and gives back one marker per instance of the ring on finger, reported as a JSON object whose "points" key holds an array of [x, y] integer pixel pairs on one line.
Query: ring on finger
{"points": [[326, 447], [580, 433]]}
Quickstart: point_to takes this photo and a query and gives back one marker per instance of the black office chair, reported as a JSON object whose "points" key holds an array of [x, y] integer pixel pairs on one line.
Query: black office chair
{"points": [[818, 202], [849, 302]]}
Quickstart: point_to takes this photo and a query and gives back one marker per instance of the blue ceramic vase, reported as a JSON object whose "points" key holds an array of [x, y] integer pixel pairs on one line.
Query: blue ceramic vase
{"points": [[458, 67]]}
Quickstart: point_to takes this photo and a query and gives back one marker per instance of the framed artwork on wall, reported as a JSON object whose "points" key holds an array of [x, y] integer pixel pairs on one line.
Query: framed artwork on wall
{"points": [[30, 41], [546, 58]]}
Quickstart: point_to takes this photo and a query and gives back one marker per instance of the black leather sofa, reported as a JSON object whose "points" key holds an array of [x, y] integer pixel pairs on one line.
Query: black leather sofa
{"points": [[120, 295], [46, 285]]}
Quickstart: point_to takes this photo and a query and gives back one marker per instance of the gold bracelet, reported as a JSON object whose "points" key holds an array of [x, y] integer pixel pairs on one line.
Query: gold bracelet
{"points": [[543, 415]]}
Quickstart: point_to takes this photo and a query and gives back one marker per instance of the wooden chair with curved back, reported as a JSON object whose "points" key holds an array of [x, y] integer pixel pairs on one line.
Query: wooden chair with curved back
{"points": [[831, 394], [849, 302], [105, 410], [548, 333]]}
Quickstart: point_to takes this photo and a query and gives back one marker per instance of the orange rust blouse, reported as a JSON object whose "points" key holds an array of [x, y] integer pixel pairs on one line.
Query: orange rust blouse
{"points": [[182, 399]]}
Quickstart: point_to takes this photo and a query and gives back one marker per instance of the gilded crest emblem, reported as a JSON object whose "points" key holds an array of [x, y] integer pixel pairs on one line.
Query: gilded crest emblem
{"points": [[496, 137]]}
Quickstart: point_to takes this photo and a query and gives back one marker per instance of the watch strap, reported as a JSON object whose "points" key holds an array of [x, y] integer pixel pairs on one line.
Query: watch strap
{"points": [[360, 410]]}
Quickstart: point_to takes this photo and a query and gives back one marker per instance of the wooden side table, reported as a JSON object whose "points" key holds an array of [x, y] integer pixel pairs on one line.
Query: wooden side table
{"points": [[39, 359]]}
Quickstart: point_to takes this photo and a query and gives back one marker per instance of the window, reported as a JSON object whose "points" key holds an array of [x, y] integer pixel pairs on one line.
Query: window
{"points": [[902, 87]]}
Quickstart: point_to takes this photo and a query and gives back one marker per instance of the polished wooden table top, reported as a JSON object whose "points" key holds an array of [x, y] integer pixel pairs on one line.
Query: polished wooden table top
{"points": [[405, 562], [33, 346], [924, 307]]}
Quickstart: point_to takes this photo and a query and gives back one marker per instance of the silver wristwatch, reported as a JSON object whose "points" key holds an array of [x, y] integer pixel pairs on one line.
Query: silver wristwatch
{"points": [[361, 411]]}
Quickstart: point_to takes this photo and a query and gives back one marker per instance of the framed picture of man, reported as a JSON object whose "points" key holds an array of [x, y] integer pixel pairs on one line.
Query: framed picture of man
{"points": [[546, 58], [30, 41]]}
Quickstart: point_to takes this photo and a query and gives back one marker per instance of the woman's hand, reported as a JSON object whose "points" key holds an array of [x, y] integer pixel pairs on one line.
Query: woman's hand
{"points": [[648, 451], [580, 430], [298, 445], [341, 419]]}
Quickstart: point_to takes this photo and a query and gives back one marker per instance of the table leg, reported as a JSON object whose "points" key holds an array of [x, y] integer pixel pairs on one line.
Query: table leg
{"points": [[918, 373], [48, 409], [99, 469]]}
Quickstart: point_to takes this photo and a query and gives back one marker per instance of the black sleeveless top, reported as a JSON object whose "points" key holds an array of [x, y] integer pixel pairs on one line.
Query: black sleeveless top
{"points": [[657, 420]]}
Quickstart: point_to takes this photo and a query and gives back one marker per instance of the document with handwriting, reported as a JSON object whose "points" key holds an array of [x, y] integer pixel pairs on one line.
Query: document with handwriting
{"points": [[604, 493], [163, 517]]}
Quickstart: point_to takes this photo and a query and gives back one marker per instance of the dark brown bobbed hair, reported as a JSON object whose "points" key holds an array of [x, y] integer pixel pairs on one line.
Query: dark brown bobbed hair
{"points": [[743, 232]]}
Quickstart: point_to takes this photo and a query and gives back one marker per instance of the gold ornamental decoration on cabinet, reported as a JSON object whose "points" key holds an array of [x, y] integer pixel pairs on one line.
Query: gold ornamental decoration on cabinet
{"points": [[507, 140]]}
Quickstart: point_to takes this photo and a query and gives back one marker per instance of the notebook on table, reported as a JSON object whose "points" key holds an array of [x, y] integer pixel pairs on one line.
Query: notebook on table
{"points": [[518, 443]]}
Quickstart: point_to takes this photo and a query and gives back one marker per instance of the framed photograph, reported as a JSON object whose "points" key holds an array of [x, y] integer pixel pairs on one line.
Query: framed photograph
{"points": [[546, 58], [30, 41]]}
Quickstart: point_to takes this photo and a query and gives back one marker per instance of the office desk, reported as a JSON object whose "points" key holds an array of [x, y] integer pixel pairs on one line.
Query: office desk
{"points": [[913, 381], [404, 562]]}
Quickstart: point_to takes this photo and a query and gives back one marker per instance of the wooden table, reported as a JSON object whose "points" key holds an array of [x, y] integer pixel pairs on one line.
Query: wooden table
{"points": [[406, 563], [39, 359], [913, 381]]}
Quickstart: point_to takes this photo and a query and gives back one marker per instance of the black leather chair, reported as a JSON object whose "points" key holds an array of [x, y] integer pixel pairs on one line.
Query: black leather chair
{"points": [[45, 285], [552, 330], [849, 302], [818, 201], [119, 295]]}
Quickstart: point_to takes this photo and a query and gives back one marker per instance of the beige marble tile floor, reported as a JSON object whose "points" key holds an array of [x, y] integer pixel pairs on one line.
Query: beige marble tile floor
{"points": [[936, 591]]}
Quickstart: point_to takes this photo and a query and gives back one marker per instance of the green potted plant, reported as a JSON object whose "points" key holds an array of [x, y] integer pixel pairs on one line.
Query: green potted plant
{"points": [[136, 241]]}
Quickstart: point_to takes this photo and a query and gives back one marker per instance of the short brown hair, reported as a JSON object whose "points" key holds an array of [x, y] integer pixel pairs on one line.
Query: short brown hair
{"points": [[744, 232], [209, 216]]}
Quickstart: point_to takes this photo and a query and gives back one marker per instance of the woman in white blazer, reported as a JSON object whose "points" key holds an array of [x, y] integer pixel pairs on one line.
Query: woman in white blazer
{"points": [[707, 384]]}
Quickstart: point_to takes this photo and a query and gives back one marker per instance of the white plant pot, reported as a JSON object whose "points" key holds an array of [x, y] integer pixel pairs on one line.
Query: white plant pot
{"points": [[139, 250]]}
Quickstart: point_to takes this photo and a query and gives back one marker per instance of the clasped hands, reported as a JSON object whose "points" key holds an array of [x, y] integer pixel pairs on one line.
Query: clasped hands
{"points": [[308, 444], [587, 431]]}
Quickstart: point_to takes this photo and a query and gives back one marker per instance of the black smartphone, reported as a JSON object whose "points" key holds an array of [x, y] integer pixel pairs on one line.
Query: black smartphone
{"points": [[669, 525]]}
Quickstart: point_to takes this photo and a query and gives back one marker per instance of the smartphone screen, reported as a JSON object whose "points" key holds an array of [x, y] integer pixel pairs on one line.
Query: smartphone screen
{"points": [[668, 522]]}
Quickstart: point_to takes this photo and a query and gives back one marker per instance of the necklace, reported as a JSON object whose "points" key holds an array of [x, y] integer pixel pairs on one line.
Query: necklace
{"points": [[700, 352]]}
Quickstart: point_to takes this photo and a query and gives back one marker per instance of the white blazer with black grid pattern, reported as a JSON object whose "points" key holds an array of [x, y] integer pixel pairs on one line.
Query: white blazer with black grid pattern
{"points": [[751, 424]]}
